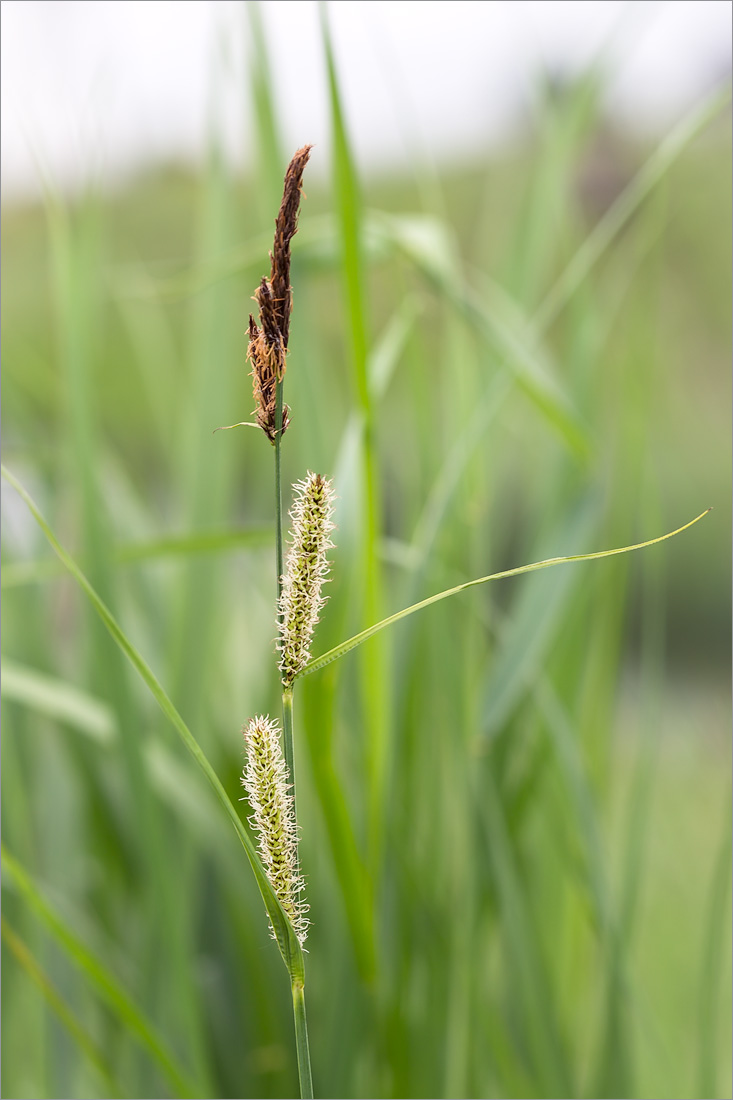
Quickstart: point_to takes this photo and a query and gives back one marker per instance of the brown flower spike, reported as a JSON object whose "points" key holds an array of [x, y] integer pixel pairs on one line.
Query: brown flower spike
{"points": [[268, 343]]}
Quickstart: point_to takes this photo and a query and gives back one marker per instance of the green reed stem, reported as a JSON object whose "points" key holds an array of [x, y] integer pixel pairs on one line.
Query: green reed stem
{"points": [[301, 1042], [287, 703], [301, 1024], [278, 491], [288, 739]]}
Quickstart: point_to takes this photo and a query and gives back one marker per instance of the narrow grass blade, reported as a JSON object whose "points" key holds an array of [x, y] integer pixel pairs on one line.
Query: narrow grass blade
{"points": [[627, 203], [445, 486], [57, 1004], [529, 972], [338, 813], [169, 774], [198, 542], [104, 982], [286, 938], [350, 227], [346, 647], [59, 700], [271, 158], [415, 238], [536, 616], [339, 818], [15, 574], [385, 355], [373, 671], [712, 970]]}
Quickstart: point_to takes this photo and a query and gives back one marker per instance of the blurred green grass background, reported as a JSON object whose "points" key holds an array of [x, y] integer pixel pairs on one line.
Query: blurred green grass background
{"points": [[515, 810]]}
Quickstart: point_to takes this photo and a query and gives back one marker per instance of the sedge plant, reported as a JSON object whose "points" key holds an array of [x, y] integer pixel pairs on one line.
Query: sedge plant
{"points": [[270, 772], [269, 777]]}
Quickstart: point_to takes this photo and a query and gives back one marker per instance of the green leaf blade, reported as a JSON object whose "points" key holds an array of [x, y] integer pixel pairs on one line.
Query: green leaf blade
{"points": [[351, 643]]}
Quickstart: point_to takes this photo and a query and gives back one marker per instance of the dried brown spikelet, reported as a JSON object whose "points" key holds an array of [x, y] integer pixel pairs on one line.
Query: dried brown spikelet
{"points": [[264, 375], [270, 323], [268, 344], [286, 226]]}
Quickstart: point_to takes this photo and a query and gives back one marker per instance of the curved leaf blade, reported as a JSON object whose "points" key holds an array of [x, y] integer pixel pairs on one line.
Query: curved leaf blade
{"points": [[351, 643]]}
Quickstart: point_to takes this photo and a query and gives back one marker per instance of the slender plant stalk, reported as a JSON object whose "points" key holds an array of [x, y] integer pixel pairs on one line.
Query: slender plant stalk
{"points": [[301, 1042], [300, 602], [301, 1024], [267, 352], [287, 698], [278, 491], [287, 704]]}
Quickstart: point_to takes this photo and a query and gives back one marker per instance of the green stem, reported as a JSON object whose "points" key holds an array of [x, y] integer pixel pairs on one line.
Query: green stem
{"points": [[287, 705], [301, 1042], [301, 1025], [278, 490], [288, 739]]}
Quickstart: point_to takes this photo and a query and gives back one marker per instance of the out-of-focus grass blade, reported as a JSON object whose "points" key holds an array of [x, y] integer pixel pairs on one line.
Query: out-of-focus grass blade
{"points": [[448, 479], [261, 84], [108, 987], [350, 871], [316, 234], [374, 673], [383, 359], [711, 970], [525, 959], [68, 704], [349, 206], [78, 240], [539, 609], [382, 363], [206, 466], [319, 235], [150, 331], [619, 986], [15, 574], [57, 1004], [568, 756], [346, 647], [423, 242], [286, 938], [610, 225], [352, 876], [198, 542], [59, 700]]}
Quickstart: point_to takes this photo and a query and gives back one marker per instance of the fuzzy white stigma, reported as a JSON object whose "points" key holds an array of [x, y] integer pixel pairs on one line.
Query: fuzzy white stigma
{"points": [[305, 572], [266, 781]]}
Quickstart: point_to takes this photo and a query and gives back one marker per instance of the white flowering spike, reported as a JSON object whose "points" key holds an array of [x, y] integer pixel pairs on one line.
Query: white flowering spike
{"points": [[306, 570], [265, 780]]}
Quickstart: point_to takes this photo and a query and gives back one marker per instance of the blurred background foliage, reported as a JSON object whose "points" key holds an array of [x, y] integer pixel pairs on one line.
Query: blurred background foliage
{"points": [[515, 808]]}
